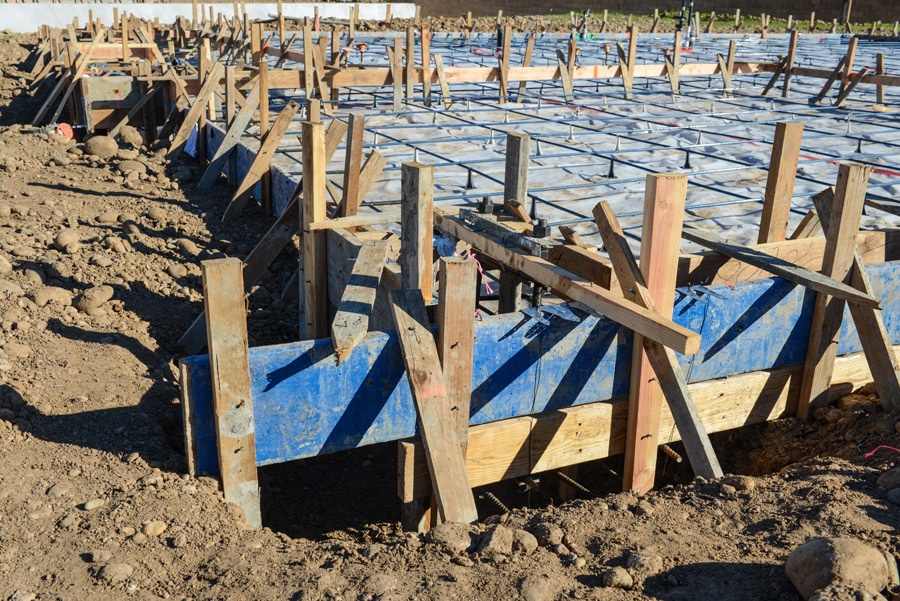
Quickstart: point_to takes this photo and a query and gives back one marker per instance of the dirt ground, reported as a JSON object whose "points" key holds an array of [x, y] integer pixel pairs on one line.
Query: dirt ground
{"points": [[99, 276]]}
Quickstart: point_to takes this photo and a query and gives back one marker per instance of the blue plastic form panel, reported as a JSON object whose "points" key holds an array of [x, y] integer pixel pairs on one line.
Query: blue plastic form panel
{"points": [[305, 405]]}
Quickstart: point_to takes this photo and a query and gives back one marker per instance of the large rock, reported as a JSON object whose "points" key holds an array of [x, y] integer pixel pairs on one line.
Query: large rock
{"points": [[890, 479], [846, 591], [131, 136], [496, 541], [51, 294], [102, 146], [453, 537], [93, 297], [821, 562]]}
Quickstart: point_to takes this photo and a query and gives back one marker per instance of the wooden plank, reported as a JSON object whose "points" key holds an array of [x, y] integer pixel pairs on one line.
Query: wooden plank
{"points": [[564, 76], [789, 64], [784, 269], [660, 238], [879, 70], [196, 110], [673, 64], [351, 321], [232, 137], [526, 62], [663, 360], [395, 56], [409, 69], [515, 180], [808, 227], [442, 81], [446, 463], [350, 198], [848, 65], [726, 67], [268, 147], [566, 284], [71, 78], [780, 181], [226, 323], [837, 262], [859, 78], [831, 78], [416, 211], [426, 64], [518, 210], [777, 74], [504, 64], [869, 322], [315, 263]]}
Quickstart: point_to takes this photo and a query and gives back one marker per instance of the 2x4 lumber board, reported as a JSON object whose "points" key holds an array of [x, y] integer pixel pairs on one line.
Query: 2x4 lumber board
{"points": [[869, 322], [446, 463], [426, 65], [789, 66], [726, 67], [350, 198], [566, 284], [848, 65], [226, 324], [547, 441], [879, 70], [780, 182], [784, 269], [197, 109], [351, 321], [855, 81], [409, 54], [526, 62], [565, 76], [261, 161], [416, 218], [779, 70], [306, 59], [456, 336], [395, 55], [442, 81], [71, 78], [829, 76], [664, 199], [504, 64], [673, 64], [849, 198], [236, 129], [313, 254], [663, 360], [515, 180]]}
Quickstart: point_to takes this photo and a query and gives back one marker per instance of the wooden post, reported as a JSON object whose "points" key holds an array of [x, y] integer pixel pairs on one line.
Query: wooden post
{"points": [[737, 20], [226, 327], [660, 239], [148, 114], [395, 56], [789, 66], [515, 181], [230, 101], [315, 264], [126, 53], [446, 464], [410, 70], [504, 64], [780, 182], [526, 62], [840, 241], [307, 61], [726, 67], [416, 230], [673, 64], [848, 66], [426, 64], [879, 70], [812, 21], [352, 165], [256, 43], [236, 127], [351, 321]]}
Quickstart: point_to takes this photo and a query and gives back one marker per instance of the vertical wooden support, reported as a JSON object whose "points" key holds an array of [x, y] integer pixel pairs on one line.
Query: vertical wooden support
{"points": [[526, 62], [230, 102], [812, 21], [789, 65], [280, 23], [780, 182], [226, 327], [515, 180], [442, 81], [266, 179], [416, 228], [148, 114], [126, 53], [446, 464], [396, 58], [426, 64], [352, 165], [737, 20], [848, 66], [194, 10], [660, 239], [206, 53], [840, 242], [256, 37], [307, 61], [626, 63], [673, 64], [315, 265], [879, 70], [410, 70], [504, 64]]}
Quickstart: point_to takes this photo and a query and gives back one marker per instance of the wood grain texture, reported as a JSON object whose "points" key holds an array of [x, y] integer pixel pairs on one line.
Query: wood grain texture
{"points": [[313, 253], [350, 198], [233, 135], [197, 110], [351, 321], [416, 235], [780, 181], [446, 463], [226, 321]]}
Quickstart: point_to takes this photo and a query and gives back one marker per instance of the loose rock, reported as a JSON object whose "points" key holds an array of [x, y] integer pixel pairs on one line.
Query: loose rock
{"points": [[548, 535], [51, 294], [94, 504], [890, 479], [496, 541], [821, 562], [618, 578], [524, 542], [103, 147], [93, 298], [455, 538], [115, 572], [154, 528]]}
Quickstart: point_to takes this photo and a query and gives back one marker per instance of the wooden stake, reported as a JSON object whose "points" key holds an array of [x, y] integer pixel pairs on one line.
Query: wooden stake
{"points": [[879, 70], [315, 264], [526, 62], [660, 239], [235, 130], [780, 182], [410, 68], [789, 66], [395, 56], [504, 64], [416, 246], [196, 111], [223, 293], [350, 199], [351, 321], [825, 326], [442, 81]]}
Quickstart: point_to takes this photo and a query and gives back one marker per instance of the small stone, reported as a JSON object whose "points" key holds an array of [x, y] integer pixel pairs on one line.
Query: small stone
{"points": [[100, 556], [131, 136], [742, 483], [157, 214], [154, 528], [51, 294], [176, 270], [60, 489], [21, 595], [187, 246], [94, 504], [728, 490], [890, 479], [579, 562], [10, 289], [548, 535], [68, 521], [139, 538], [821, 562], [17, 350], [93, 297], [537, 588], [127, 531], [642, 562], [101, 261], [127, 167], [115, 572], [643, 508], [5, 265], [496, 541], [103, 147], [618, 578], [453, 537], [524, 542], [127, 154], [39, 514], [65, 238], [179, 541], [108, 217]]}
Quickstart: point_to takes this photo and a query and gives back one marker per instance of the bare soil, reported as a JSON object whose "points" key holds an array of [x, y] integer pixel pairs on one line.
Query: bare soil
{"points": [[95, 502]]}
